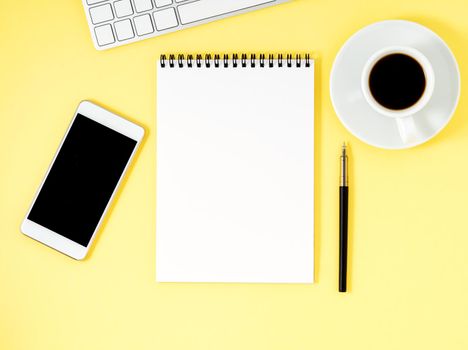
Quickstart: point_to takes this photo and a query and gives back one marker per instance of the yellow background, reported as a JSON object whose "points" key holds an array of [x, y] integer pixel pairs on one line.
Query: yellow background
{"points": [[409, 209]]}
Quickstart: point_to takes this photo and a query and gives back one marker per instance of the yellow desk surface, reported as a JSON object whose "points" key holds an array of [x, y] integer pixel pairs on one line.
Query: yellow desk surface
{"points": [[409, 209]]}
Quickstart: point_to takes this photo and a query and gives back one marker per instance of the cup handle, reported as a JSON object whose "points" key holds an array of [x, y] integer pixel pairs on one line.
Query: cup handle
{"points": [[407, 129]]}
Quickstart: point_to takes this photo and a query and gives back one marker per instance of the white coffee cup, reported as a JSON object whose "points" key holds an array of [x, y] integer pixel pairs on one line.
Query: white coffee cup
{"points": [[404, 117]]}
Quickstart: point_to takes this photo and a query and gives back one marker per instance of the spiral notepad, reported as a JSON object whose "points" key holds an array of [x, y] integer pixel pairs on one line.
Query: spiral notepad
{"points": [[235, 168]]}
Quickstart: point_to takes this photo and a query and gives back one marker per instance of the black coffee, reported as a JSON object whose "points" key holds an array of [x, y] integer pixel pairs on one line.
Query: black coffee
{"points": [[397, 81]]}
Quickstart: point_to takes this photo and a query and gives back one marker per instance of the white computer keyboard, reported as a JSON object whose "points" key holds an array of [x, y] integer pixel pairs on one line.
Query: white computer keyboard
{"points": [[118, 22]]}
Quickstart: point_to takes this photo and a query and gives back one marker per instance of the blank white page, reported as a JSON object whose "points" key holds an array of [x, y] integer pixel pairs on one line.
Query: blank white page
{"points": [[235, 174]]}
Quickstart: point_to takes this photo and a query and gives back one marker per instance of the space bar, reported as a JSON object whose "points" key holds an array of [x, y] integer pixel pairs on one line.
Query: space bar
{"points": [[204, 9]]}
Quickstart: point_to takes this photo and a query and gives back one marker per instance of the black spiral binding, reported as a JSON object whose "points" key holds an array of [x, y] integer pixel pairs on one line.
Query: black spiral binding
{"points": [[209, 60]]}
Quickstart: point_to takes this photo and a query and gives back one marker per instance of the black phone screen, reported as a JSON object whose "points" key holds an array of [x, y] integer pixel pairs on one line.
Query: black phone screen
{"points": [[82, 179]]}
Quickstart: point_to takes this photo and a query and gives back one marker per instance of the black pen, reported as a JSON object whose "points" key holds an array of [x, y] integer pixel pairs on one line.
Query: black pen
{"points": [[343, 219]]}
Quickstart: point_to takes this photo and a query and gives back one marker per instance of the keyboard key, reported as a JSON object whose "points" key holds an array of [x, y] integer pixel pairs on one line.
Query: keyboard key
{"points": [[124, 29], [143, 5], [101, 13], [161, 3], [199, 10], [123, 8], [104, 35], [143, 24], [165, 19]]}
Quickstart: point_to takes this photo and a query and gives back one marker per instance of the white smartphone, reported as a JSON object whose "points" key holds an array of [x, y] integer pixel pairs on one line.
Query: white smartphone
{"points": [[82, 180]]}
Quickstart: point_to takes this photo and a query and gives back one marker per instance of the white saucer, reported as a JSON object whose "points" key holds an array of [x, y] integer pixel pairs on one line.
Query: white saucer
{"points": [[349, 102]]}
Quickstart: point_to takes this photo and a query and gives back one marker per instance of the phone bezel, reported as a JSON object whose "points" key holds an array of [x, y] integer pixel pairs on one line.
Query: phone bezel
{"points": [[54, 239]]}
